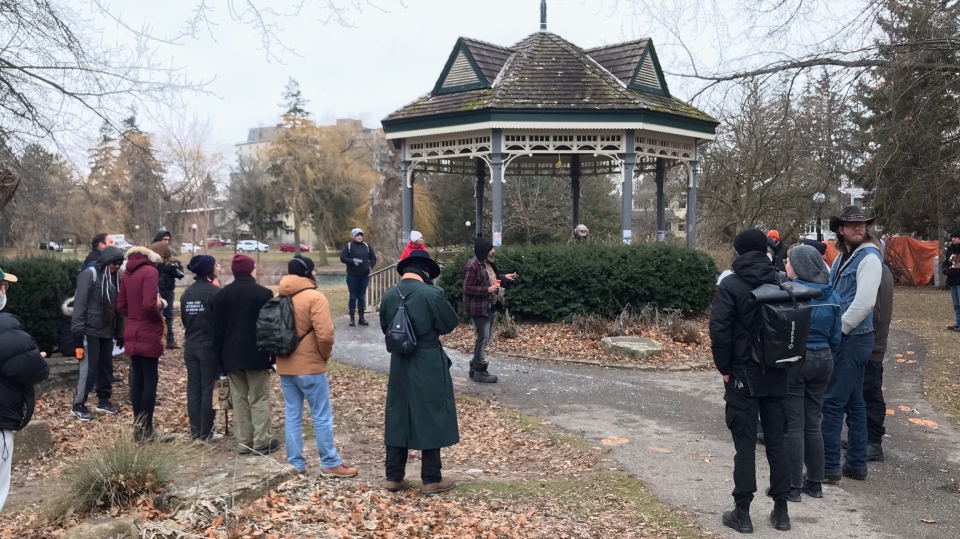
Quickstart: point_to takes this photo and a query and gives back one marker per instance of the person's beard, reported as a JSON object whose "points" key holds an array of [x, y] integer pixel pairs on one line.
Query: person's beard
{"points": [[853, 244]]}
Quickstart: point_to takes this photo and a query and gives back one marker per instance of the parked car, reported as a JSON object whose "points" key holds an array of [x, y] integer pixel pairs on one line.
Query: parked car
{"points": [[51, 246], [287, 247], [123, 245], [188, 248], [249, 246], [214, 242]]}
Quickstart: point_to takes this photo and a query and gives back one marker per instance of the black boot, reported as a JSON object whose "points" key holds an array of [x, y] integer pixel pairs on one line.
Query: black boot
{"points": [[739, 518], [352, 323], [874, 453], [812, 489], [478, 373], [361, 320], [779, 516]]}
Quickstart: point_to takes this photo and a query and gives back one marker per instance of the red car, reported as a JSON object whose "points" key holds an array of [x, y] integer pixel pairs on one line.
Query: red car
{"points": [[287, 247], [214, 242]]}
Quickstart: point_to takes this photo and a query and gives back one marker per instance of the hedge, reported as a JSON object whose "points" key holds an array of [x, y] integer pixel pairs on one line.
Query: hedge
{"points": [[43, 284], [556, 281]]}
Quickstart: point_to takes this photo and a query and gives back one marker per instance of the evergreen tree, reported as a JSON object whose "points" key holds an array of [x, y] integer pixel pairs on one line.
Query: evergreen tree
{"points": [[142, 176]]}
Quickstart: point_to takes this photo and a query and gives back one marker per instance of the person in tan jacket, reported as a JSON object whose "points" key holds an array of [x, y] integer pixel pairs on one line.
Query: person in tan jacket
{"points": [[303, 374]]}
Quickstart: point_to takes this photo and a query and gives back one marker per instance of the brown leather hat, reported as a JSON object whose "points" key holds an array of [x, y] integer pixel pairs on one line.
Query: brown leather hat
{"points": [[849, 214]]}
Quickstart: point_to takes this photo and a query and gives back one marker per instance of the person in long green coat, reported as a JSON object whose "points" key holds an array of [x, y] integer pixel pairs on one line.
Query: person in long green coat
{"points": [[421, 411]]}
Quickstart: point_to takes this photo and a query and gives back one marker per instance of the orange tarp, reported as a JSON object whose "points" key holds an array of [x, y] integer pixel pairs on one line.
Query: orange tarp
{"points": [[911, 260]]}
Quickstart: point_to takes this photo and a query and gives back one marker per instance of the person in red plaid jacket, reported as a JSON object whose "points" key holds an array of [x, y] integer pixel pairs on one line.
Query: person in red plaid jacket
{"points": [[481, 296]]}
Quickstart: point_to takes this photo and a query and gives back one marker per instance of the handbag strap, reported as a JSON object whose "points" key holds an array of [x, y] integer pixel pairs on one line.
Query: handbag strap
{"points": [[403, 298]]}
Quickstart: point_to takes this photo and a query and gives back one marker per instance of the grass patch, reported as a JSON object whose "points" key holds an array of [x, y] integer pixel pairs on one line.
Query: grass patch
{"points": [[587, 496], [526, 423]]}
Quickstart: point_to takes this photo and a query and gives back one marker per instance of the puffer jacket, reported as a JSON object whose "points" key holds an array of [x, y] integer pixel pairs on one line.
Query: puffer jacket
{"points": [[21, 367], [732, 322], [139, 302], [95, 303], [310, 311]]}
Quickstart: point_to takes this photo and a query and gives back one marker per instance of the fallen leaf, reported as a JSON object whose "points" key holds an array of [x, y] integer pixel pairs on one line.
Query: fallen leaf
{"points": [[904, 408], [657, 449], [928, 521], [889, 411], [909, 352]]}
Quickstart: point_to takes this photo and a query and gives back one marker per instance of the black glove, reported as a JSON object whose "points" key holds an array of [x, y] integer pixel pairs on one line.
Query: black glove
{"points": [[78, 339], [119, 341]]}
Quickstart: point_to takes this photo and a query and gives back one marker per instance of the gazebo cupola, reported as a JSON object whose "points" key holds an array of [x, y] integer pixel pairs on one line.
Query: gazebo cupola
{"points": [[499, 112]]}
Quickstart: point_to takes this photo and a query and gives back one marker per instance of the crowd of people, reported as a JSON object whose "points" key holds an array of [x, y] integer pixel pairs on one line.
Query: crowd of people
{"points": [[800, 410]]}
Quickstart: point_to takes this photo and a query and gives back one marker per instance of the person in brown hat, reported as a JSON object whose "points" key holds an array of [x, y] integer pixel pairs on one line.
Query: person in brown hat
{"points": [[855, 276]]}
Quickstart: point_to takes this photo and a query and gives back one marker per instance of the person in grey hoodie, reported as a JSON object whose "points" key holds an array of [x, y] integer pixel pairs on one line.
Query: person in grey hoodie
{"points": [[95, 325]]}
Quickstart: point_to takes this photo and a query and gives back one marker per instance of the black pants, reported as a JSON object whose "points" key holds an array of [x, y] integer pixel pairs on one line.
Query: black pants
{"points": [[742, 412], [429, 467], [96, 369], [202, 373], [876, 407], [168, 296], [143, 393]]}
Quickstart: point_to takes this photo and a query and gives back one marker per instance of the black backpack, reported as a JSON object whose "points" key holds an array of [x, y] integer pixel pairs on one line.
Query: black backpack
{"points": [[276, 327], [782, 324], [400, 337]]}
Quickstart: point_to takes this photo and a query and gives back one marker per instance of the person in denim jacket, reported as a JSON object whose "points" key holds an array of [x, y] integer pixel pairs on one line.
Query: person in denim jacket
{"points": [[808, 380]]}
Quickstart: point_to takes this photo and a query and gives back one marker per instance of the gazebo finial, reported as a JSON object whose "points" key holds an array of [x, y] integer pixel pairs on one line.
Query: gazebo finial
{"points": [[543, 15]]}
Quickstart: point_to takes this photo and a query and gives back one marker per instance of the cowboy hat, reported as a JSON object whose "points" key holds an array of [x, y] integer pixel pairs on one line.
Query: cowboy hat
{"points": [[849, 214]]}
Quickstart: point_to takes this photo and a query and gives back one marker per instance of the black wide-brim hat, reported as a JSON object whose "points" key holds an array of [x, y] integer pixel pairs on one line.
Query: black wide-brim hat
{"points": [[849, 214], [420, 259]]}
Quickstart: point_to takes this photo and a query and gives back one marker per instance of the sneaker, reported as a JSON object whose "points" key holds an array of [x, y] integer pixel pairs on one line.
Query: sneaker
{"points": [[340, 471], [812, 489], [213, 437], [107, 408], [396, 486], [953, 327], [859, 475], [80, 410], [272, 447], [444, 485]]}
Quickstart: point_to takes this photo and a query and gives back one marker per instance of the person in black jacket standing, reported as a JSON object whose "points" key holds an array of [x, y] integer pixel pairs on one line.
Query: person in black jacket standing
{"points": [[202, 366], [749, 390], [953, 275], [170, 271], [235, 312], [360, 259], [21, 367]]}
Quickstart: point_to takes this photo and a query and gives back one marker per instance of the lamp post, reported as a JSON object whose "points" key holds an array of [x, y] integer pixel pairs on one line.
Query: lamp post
{"points": [[193, 228], [818, 199], [467, 224]]}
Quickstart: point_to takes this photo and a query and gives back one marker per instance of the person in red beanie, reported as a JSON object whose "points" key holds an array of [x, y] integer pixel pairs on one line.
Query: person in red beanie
{"points": [[235, 311]]}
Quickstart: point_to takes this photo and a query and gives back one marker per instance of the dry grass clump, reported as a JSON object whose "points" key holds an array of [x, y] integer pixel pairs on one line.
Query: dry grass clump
{"points": [[685, 331]]}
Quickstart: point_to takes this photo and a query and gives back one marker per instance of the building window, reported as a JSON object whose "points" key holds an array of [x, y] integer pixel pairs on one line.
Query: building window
{"points": [[668, 226]]}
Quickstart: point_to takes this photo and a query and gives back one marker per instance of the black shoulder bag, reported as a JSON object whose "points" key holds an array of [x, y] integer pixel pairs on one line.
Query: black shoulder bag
{"points": [[400, 337]]}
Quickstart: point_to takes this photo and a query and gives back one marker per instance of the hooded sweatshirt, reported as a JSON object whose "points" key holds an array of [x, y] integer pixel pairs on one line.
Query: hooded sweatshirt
{"points": [[95, 303]]}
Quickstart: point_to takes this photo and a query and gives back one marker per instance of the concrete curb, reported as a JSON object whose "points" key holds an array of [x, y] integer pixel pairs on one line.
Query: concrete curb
{"points": [[685, 367]]}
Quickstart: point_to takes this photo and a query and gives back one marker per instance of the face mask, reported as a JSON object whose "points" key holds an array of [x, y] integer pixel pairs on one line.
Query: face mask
{"points": [[3, 301]]}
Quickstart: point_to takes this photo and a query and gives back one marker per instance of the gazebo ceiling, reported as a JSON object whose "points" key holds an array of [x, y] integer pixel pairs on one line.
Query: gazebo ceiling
{"points": [[545, 81]]}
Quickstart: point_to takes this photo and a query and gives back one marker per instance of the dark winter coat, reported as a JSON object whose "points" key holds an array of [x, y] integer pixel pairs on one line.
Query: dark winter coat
{"points": [[882, 313], [169, 273], [421, 412], [21, 367], [92, 258], [362, 252], [139, 302], [95, 302], [732, 320], [953, 274], [235, 312], [196, 313], [162, 234]]}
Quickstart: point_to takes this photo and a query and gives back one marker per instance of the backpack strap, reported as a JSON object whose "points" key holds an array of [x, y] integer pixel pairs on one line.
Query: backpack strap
{"points": [[291, 302]]}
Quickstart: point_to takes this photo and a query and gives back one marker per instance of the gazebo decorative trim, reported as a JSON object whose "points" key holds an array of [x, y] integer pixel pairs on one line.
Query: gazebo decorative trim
{"points": [[547, 107]]}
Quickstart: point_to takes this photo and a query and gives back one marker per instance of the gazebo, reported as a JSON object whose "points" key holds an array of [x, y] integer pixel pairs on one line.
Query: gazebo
{"points": [[549, 108]]}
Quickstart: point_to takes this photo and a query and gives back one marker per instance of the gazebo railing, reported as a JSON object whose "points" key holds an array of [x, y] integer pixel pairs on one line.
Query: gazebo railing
{"points": [[381, 281]]}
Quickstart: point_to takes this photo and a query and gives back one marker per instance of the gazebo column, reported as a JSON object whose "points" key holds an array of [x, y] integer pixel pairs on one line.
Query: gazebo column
{"points": [[481, 178], [692, 206], [629, 160], [496, 176], [407, 190], [661, 202], [575, 190]]}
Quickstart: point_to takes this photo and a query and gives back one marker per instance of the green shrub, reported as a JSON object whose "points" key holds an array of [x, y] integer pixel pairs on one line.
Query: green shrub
{"points": [[557, 281], [44, 283]]}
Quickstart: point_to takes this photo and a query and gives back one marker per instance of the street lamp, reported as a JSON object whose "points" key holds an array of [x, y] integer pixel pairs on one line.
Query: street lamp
{"points": [[818, 199], [193, 228]]}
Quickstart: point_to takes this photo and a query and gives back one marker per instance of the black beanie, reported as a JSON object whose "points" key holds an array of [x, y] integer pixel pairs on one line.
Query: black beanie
{"points": [[749, 240], [482, 248], [955, 233], [300, 265]]}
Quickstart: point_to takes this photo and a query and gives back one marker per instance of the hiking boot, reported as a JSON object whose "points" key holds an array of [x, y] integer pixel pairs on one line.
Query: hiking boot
{"points": [[738, 519], [874, 453], [361, 320], [396, 486], [244, 450], [832, 478], [340, 471], [271, 447], [859, 475], [352, 323], [779, 516], [107, 407], [478, 373], [80, 410], [812, 489], [444, 485]]}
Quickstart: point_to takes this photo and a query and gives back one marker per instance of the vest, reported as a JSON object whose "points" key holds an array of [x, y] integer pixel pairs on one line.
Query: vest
{"points": [[844, 281]]}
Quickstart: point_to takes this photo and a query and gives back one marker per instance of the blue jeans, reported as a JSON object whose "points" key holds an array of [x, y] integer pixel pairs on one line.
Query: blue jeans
{"points": [[316, 389], [358, 292], [955, 296], [845, 397]]}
